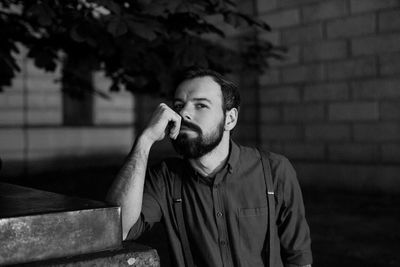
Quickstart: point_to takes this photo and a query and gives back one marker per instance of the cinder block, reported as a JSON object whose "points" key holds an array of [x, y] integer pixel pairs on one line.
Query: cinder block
{"points": [[376, 44], [35, 83], [390, 110], [389, 64], [11, 139], [327, 132], [101, 82], [264, 6], [238, 135], [246, 131], [290, 3], [351, 26], [377, 132], [270, 114], [80, 141], [269, 77], [291, 57], [280, 95], [391, 152], [248, 114], [251, 96], [324, 51], [389, 20], [11, 156], [280, 132], [122, 101], [17, 84], [382, 179], [352, 68], [304, 113], [282, 18], [246, 7], [114, 116], [324, 10], [11, 99], [376, 89], [304, 151], [45, 100], [351, 152], [14, 117], [304, 73], [354, 111], [357, 6], [48, 116], [326, 92], [303, 34]]}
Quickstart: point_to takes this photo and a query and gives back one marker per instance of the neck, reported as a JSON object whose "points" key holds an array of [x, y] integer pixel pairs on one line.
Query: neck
{"points": [[214, 161]]}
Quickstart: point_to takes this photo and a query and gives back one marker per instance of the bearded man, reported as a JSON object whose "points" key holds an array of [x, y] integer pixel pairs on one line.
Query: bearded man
{"points": [[222, 204]]}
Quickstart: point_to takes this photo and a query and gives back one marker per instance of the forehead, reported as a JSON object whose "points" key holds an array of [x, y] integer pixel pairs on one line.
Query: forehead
{"points": [[200, 87]]}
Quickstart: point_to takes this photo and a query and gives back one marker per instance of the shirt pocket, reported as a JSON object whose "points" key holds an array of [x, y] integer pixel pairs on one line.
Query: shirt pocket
{"points": [[253, 225]]}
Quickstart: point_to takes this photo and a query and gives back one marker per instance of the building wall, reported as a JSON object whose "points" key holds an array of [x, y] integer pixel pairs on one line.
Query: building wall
{"points": [[34, 139], [333, 105]]}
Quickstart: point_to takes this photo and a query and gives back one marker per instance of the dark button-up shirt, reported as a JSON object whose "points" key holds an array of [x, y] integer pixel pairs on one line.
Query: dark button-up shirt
{"points": [[226, 217]]}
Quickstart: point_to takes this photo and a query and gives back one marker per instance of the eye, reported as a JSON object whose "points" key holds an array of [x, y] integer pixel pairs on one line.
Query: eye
{"points": [[200, 106], [177, 106]]}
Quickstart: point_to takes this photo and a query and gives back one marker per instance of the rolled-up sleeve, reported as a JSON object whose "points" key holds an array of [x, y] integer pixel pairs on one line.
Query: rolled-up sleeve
{"points": [[151, 208], [293, 229]]}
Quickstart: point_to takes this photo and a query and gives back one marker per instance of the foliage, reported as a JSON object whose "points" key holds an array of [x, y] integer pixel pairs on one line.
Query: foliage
{"points": [[138, 43]]}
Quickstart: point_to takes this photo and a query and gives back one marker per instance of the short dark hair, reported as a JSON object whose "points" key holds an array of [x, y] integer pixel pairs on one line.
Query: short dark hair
{"points": [[230, 91]]}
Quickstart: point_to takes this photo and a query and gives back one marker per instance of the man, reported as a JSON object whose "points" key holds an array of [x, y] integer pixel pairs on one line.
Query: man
{"points": [[223, 193]]}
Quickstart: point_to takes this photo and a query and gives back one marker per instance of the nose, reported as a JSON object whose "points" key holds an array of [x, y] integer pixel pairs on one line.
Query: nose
{"points": [[185, 113]]}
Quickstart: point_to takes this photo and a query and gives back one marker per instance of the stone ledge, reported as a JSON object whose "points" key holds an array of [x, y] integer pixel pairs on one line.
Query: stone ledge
{"points": [[130, 254]]}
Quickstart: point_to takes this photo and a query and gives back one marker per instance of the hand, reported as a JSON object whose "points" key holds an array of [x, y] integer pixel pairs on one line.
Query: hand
{"points": [[163, 121]]}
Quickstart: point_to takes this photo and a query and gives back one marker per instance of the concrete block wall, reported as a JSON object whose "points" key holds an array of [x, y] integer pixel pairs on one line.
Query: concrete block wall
{"points": [[33, 138], [335, 99]]}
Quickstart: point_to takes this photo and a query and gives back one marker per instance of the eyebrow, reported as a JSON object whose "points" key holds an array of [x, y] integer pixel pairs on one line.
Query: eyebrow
{"points": [[195, 99]]}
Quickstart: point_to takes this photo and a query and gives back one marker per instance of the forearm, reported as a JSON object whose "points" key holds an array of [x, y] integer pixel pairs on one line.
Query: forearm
{"points": [[127, 189]]}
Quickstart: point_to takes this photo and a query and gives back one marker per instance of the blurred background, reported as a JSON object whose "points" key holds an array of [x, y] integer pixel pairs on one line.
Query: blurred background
{"points": [[319, 81]]}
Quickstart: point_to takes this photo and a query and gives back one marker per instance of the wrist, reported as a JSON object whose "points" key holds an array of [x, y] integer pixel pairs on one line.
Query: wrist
{"points": [[144, 142]]}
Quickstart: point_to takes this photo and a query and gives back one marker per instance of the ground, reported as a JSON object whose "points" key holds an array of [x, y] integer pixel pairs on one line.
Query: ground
{"points": [[347, 228]]}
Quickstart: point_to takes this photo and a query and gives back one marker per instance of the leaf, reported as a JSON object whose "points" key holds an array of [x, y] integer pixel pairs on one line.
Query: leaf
{"points": [[117, 26], [154, 8], [44, 58], [142, 29], [42, 12], [173, 5], [111, 5], [76, 35]]}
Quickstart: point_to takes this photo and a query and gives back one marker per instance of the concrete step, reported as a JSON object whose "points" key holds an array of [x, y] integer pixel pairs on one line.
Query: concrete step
{"points": [[37, 225]]}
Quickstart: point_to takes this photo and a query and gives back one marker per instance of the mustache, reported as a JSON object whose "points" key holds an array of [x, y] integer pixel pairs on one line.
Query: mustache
{"points": [[191, 126]]}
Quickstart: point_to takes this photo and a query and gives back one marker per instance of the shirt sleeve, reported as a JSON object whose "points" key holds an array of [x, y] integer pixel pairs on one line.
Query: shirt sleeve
{"points": [[151, 207], [293, 230]]}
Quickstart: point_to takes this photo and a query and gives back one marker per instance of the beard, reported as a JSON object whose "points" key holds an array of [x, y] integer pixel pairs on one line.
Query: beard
{"points": [[196, 147]]}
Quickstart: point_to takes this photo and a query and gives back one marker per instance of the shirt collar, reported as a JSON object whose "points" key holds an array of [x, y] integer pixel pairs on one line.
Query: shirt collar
{"points": [[231, 164], [233, 159]]}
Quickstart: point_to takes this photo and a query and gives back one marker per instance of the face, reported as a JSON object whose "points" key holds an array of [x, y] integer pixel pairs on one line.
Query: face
{"points": [[199, 102]]}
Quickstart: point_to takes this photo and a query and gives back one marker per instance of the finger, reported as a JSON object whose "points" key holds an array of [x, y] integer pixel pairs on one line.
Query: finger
{"points": [[175, 127]]}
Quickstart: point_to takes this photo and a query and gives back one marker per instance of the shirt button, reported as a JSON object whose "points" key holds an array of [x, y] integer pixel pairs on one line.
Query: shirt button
{"points": [[222, 242], [219, 214]]}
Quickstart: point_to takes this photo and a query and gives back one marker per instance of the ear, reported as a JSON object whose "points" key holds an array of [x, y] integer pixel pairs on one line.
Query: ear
{"points": [[231, 119]]}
